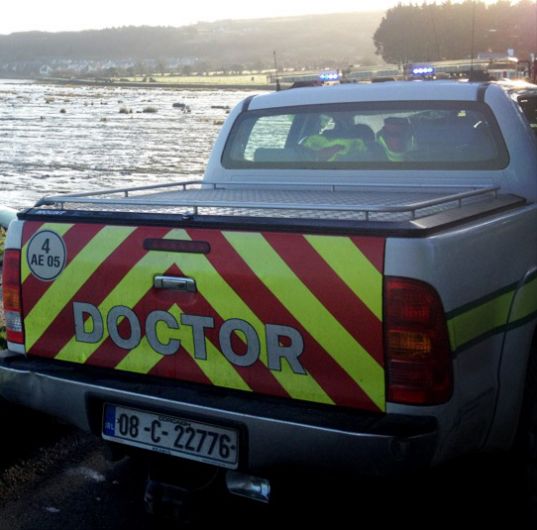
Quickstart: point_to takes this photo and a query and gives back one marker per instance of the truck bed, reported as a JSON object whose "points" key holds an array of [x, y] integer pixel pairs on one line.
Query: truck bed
{"points": [[410, 207]]}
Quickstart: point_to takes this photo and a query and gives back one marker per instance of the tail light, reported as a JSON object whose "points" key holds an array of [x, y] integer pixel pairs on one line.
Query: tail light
{"points": [[418, 354], [11, 288]]}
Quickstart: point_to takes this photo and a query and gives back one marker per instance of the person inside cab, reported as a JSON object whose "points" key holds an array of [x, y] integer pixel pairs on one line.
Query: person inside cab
{"points": [[346, 141], [396, 138], [333, 149], [338, 143]]}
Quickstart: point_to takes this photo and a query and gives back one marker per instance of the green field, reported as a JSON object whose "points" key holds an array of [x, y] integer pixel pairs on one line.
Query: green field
{"points": [[249, 79]]}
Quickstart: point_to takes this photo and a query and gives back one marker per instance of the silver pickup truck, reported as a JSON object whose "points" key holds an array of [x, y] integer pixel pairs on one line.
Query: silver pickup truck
{"points": [[352, 286]]}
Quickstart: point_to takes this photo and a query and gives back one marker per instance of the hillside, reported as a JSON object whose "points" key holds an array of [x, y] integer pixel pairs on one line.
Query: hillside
{"points": [[314, 41]]}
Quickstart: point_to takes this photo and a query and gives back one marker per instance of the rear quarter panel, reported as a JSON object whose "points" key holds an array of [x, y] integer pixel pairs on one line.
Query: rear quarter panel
{"points": [[485, 275]]}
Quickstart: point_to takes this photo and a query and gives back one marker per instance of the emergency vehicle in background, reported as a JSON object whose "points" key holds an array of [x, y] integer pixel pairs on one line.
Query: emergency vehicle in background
{"points": [[315, 302], [493, 68]]}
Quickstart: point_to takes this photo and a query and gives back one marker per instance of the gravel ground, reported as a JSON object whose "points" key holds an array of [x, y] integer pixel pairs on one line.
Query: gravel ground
{"points": [[78, 489]]}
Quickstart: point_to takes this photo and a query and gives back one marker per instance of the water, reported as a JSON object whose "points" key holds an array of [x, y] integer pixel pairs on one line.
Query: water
{"points": [[61, 139]]}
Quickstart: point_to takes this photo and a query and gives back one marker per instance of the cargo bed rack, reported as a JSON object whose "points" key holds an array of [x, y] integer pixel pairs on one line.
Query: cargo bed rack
{"points": [[312, 200]]}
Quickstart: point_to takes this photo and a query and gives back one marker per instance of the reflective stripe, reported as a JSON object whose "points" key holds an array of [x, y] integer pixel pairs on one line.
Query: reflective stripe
{"points": [[307, 264], [479, 320], [141, 359], [509, 308], [301, 323], [219, 295], [326, 330], [225, 301], [216, 368], [70, 281], [348, 262], [129, 291]]}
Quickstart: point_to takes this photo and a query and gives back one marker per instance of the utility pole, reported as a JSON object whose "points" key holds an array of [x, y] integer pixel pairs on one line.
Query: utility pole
{"points": [[472, 41], [276, 69]]}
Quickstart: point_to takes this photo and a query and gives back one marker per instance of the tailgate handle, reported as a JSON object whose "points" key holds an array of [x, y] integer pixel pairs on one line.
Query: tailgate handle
{"points": [[177, 283]]}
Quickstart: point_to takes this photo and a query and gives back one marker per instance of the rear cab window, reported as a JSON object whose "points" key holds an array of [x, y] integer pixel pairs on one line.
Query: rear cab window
{"points": [[403, 135]]}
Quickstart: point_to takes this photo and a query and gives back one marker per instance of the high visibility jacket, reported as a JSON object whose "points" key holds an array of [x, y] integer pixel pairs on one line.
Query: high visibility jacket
{"points": [[334, 148], [395, 156]]}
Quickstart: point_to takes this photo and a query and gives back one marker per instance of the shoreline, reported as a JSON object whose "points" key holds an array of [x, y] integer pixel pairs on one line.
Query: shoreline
{"points": [[138, 84]]}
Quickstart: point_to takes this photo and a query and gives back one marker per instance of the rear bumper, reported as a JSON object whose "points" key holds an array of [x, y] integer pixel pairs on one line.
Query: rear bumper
{"points": [[275, 434]]}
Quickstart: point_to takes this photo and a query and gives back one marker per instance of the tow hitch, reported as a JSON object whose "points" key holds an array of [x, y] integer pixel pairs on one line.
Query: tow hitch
{"points": [[182, 492]]}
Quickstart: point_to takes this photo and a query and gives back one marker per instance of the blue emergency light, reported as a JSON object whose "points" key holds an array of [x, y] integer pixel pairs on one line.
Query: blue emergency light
{"points": [[423, 70], [329, 76]]}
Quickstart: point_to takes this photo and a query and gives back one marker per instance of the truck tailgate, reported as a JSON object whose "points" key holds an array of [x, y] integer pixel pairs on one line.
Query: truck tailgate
{"points": [[283, 314]]}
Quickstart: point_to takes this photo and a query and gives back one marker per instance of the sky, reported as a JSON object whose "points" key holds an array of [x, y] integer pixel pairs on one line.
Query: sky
{"points": [[69, 15]]}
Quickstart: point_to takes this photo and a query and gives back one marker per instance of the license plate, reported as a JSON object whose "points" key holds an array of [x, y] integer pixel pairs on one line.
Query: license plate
{"points": [[171, 435]]}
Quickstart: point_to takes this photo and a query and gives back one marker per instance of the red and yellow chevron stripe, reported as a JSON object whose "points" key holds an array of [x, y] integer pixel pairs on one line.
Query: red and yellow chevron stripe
{"points": [[325, 290]]}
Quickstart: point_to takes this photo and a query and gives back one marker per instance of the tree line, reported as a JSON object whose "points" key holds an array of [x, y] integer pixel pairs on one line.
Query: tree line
{"points": [[405, 33], [314, 41], [435, 32]]}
